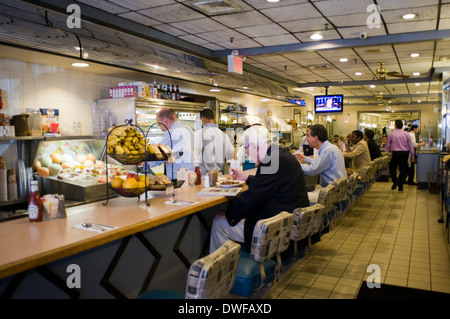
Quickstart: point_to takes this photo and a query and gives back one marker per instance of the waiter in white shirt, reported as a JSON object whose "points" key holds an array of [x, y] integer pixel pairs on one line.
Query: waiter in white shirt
{"points": [[180, 139], [212, 147]]}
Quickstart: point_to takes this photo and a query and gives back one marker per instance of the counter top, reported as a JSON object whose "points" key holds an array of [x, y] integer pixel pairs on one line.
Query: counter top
{"points": [[25, 245]]}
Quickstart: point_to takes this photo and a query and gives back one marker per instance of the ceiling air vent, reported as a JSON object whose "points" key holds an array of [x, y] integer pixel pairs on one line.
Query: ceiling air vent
{"points": [[212, 7]]}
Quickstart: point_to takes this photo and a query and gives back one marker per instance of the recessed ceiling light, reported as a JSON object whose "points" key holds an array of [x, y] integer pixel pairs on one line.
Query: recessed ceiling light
{"points": [[414, 55], [273, 0], [316, 36], [372, 86], [343, 60], [409, 16], [416, 73], [80, 64], [358, 73], [265, 100], [417, 84], [245, 87], [214, 90]]}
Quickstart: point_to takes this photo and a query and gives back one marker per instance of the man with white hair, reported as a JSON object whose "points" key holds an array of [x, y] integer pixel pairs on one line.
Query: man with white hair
{"points": [[278, 185]]}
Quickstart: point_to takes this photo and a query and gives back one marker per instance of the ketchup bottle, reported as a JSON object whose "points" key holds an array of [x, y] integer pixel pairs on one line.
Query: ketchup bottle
{"points": [[199, 175], [35, 207]]}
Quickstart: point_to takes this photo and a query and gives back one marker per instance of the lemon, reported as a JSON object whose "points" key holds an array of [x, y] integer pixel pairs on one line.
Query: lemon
{"points": [[143, 179]]}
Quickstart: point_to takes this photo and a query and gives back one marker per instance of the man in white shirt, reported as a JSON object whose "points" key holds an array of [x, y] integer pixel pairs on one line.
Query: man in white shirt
{"points": [[212, 147], [411, 169], [180, 140], [329, 163]]}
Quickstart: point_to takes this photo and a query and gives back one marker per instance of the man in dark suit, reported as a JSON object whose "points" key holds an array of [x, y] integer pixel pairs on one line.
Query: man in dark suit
{"points": [[374, 149], [278, 185]]}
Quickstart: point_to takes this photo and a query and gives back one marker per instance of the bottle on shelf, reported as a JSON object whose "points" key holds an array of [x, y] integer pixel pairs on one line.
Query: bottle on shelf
{"points": [[169, 93], [199, 175], [177, 93], [172, 95], [35, 207], [160, 91], [164, 92]]}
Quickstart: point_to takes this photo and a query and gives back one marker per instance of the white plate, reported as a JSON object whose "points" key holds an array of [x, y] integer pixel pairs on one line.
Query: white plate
{"points": [[224, 184]]}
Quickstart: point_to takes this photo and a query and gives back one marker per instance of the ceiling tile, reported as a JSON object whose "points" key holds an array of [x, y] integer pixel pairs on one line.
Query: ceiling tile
{"points": [[262, 30], [277, 40], [167, 28], [404, 4], [303, 25], [292, 13], [327, 35], [242, 19], [172, 13], [331, 8], [258, 4], [198, 25], [422, 13], [413, 26]]}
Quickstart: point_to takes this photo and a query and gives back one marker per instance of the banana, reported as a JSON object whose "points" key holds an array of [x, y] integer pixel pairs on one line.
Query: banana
{"points": [[119, 149]]}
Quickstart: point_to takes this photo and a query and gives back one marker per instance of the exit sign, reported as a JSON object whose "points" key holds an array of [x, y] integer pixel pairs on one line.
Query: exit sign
{"points": [[235, 64]]}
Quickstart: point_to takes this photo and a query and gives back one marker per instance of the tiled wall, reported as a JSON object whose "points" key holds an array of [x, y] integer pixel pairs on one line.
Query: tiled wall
{"points": [[26, 85]]}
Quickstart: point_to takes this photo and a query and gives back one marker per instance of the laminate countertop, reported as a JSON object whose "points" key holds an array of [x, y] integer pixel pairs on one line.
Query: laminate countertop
{"points": [[25, 245]]}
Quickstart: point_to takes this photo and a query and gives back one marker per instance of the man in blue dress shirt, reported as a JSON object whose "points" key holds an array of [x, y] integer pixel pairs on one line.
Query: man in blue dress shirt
{"points": [[330, 163]]}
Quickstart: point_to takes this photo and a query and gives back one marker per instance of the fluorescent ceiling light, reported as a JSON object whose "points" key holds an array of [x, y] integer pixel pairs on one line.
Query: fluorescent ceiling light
{"points": [[273, 0], [214, 90], [358, 73], [416, 73], [265, 100], [372, 86], [409, 16], [414, 55], [316, 36], [343, 60], [80, 64]]}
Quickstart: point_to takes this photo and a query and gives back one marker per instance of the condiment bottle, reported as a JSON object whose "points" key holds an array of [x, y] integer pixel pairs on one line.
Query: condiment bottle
{"points": [[199, 175], [35, 207]]}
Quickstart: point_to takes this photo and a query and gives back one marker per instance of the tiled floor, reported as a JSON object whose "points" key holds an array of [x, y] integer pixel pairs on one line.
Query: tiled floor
{"points": [[398, 231]]}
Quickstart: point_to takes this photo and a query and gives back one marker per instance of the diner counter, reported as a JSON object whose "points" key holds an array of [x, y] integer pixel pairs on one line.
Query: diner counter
{"points": [[26, 245]]}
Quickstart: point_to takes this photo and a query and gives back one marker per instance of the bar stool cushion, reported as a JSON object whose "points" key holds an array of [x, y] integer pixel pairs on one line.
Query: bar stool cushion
{"points": [[248, 276]]}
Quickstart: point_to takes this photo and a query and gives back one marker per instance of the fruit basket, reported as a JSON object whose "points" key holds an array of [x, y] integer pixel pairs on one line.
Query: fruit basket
{"points": [[128, 192], [126, 144]]}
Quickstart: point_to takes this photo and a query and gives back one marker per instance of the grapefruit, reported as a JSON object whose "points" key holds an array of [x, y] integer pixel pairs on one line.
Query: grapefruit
{"points": [[130, 183], [116, 182]]}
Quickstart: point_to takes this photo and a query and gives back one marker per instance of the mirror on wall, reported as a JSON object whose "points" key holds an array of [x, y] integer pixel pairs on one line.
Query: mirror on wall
{"points": [[384, 122]]}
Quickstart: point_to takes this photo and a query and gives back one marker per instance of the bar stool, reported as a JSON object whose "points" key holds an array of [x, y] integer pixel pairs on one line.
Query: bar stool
{"points": [[210, 277], [258, 268], [326, 198], [340, 196], [302, 227]]}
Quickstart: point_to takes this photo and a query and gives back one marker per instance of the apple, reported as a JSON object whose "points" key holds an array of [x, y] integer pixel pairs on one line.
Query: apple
{"points": [[133, 175]]}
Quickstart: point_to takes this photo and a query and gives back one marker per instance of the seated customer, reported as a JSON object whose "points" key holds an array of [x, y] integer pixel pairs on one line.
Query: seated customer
{"points": [[358, 153], [279, 185], [374, 149], [329, 163]]}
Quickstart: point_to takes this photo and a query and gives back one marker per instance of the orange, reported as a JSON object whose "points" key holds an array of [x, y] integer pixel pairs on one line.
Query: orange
{"points": [[116, 182], [130, 183], [141, 184]]}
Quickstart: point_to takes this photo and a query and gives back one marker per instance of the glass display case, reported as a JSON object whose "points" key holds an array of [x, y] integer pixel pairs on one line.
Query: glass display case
{"points": [[74, 168]]}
